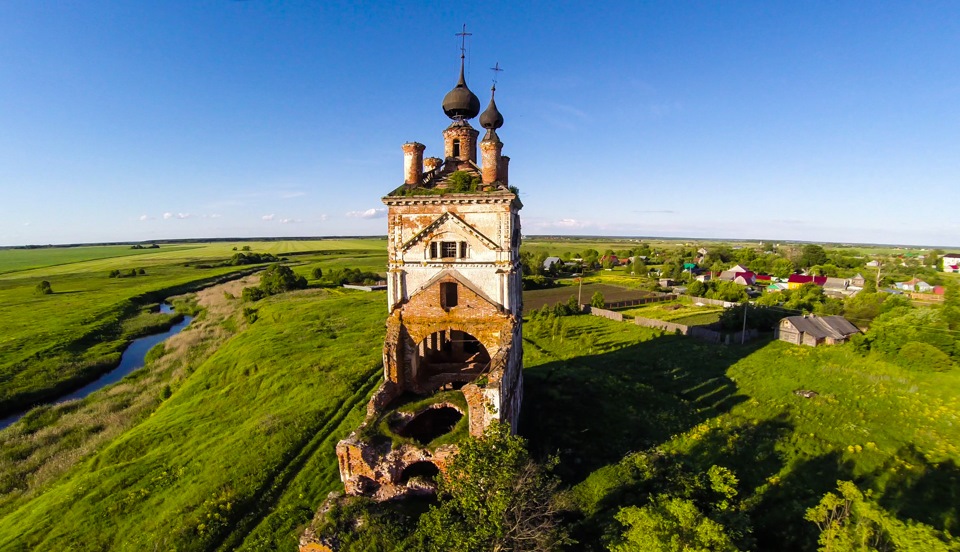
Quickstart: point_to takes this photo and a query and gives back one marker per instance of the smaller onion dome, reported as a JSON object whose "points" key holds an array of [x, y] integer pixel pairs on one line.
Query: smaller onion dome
{"points": [[491, 118], [460, 103]]}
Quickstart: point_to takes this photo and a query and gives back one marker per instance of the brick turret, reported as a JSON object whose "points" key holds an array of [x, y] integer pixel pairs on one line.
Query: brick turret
{"points": [[412, 162]]}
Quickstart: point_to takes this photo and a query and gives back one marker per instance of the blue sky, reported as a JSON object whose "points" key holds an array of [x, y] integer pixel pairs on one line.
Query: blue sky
{"points": [[820, 121]]}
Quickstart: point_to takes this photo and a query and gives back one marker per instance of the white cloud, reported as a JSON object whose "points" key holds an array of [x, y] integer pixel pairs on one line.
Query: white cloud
{"points": [[184, 215], [369, 213], [323, 217], [144, 217], [167, 216], [288, 221], [291, 195], [26, 224], [268, 217]]}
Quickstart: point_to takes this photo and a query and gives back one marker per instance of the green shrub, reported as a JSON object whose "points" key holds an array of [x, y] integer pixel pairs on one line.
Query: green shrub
{"points": [[923, 357], [253, 294], [43, 288]]}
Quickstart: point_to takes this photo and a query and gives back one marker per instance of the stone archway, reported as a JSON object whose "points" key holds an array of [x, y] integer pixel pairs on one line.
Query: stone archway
{"points": [[450, 356]]}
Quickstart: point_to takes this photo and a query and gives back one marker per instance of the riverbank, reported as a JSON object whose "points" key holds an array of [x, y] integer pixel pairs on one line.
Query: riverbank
{"points": [[51, 439]]}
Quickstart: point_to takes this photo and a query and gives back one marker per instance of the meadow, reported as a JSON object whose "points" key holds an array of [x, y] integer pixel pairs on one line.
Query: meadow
{"points": [[225, 440], [52, 343]]}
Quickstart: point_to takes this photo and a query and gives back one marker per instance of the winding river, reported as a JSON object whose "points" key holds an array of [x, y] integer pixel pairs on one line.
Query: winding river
{"points": [[132, 359]]}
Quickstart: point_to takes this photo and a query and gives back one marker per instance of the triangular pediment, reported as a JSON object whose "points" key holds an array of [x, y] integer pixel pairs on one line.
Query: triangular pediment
{"points": [[453, 220], [462, 280]]}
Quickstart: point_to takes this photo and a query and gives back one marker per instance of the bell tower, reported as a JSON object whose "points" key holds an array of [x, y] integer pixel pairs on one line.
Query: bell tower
{"points": [[453, 344]]}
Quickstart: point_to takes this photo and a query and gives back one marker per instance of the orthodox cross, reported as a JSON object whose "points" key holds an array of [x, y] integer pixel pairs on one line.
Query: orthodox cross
{"points": [[463, 40], [496, 69]]}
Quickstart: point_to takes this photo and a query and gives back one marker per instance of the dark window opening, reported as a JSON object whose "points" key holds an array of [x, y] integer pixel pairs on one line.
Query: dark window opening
{"points": [[463, 250], [433, 250], [456, 147], [448, 249], [448, 295]]}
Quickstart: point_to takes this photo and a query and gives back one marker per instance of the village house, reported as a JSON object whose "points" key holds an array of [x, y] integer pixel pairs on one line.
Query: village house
{"points": [[550, 261], [951, 262], [797, 280], [915, 284], [815, 330]]}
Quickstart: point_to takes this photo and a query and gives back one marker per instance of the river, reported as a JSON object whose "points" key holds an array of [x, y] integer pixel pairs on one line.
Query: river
{"points": [[132, 359]]}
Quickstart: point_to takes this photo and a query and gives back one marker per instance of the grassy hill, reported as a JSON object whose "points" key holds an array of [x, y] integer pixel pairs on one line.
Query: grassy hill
{"points": [[225, 440]]}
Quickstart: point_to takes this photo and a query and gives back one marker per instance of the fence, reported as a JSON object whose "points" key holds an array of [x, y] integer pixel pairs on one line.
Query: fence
{"points": [[703, 333], [714, 302], [658, 298], [608, 314]]}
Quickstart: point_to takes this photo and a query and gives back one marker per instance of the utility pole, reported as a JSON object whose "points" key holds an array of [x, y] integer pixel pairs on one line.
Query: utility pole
{"points": [[580, 289], [743, 334]]}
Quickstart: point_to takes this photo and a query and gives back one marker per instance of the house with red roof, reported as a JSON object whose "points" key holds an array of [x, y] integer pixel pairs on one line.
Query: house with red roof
{"points": [[951, 262], [797, 280]]}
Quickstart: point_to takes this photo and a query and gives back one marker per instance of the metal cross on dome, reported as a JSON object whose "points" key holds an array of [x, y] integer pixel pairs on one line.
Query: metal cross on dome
{"points": [[463, 40], [496, 69]]}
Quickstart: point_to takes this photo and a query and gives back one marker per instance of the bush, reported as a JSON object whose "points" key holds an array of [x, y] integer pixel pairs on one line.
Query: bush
{"points": [[253, 294], [279, 278], [43, 288], [923, 357], [597, 300], [317, 273]]}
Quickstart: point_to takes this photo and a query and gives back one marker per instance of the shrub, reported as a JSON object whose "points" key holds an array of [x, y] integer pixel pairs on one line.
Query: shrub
{"points": [[43, 288], [317, 273], [923, 357], [279, 278], [253, 294]]}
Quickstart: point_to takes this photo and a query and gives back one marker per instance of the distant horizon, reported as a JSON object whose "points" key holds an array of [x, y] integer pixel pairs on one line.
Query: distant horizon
{"points": [[525, 236]]}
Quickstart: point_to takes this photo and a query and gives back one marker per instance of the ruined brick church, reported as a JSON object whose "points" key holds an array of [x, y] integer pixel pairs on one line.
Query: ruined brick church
{"points": [[452, 358]]}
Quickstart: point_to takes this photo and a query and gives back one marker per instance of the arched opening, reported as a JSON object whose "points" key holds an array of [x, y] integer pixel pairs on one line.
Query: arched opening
{"points": [[430, 424], [451, 356], [456, 147], [424, 470]]}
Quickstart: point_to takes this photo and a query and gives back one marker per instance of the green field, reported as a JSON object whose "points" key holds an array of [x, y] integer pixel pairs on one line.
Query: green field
{"points": [[225, 440], [51, 343], [682, 311]]}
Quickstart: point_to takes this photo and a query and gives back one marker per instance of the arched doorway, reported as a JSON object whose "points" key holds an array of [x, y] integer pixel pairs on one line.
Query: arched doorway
{"points": [[450, 356]]}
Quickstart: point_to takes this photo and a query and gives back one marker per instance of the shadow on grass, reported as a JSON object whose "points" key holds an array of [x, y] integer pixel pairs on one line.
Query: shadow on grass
{"points": [[912, 488], [778, 516], [594, 409]]}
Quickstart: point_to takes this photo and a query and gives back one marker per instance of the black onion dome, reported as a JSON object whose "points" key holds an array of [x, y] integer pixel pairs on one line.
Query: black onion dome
{"points": [[491, 117], [460, 103]]}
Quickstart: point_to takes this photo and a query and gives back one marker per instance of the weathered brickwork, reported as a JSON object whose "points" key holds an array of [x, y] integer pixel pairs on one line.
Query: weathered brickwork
{"points": [[455, 304]]}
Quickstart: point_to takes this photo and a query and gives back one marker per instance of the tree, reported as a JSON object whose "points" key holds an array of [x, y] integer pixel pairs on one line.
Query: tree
{"points": [[782, 268], [43, 288], [494, 497], [848, 522], [932, 259], [696, 288], [317, 273], [812, 255], [597, 300], [700, 515], [278, 278], [670, 524]]}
